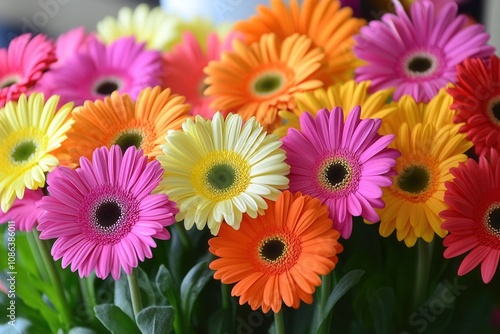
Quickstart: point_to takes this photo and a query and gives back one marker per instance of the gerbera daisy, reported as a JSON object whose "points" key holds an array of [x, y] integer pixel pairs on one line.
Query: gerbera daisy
{"points": [[24, 212], [22, 64], [118, 120], [347, 96], [124, 66], [418, 54], [183, 71], [329, 26], [104, 215], [261, 78], [343, 164], [416, 197], [155, 27], [70, 43], [473, 215], [216, 170], [278, 257], [476, 99], [30, 130]]}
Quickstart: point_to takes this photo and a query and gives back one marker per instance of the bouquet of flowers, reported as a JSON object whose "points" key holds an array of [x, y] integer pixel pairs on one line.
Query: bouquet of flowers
{"points": [[302, 170]]}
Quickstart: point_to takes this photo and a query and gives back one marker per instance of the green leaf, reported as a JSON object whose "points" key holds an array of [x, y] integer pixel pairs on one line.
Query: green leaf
{"points": [[191, 286], [81, 330], [145, 287], [382, 309], [156, 319], [114, 319], [347, 282], [220, 322], [122, 296], [165, 284]]}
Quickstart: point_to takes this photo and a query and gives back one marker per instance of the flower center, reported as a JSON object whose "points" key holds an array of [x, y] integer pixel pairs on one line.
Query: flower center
{"points": [[420, 64], [268, 83], [492, 218], [221, 175], [106, 86], [272, 249], [494, 110], [23, 151], [129, 138], [9, 81], [107, 214], [414, 179], [337, 174]]}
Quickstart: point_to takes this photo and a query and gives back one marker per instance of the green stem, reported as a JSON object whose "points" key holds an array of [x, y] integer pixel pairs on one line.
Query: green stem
{"points": [[423, 268], [326, 289], [186, 243], [36, 255], [135, 292], [226, 296], [88, 293], [279, 322], [54, 277]]}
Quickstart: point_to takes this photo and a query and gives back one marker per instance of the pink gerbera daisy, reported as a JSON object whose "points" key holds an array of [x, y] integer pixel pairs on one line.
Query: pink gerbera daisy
{"points": [[418, 54], [124, 65], [104, 215], [183, 71], [70, 43], [342, 164], [22, 64], [473, 216], [24, 211]]}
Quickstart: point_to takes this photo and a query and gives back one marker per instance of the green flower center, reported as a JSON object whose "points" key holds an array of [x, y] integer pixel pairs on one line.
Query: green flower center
{"points": [[272, 250], [221, 176], [268, 84], [8, 82], [414, 179], [130, 138], [492, 218], [108, 214], [23, 151]]}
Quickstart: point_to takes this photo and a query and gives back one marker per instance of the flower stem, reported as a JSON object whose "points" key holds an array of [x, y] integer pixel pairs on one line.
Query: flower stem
{"points": [[183, 236], [423, 268], [135, 293], [279, 322], [226, 296], [89, 299], [326, 287], [54, 277]]}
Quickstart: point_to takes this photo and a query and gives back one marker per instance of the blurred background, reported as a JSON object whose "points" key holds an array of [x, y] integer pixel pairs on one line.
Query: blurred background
{"points": [[53, 17]]}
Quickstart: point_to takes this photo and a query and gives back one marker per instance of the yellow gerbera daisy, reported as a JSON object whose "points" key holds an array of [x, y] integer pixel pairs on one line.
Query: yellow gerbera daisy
{"points": [[331, 27], [218, 169], [118, 120], [158, 29], [261, 78], [347, 96], [429, 148], [29, 130]]}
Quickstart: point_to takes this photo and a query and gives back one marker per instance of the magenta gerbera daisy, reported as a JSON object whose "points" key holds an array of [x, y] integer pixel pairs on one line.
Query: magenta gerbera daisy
{"points": [[183, 70], [418, 54], [343, 164], [124, 65], [70, 43], [22, 64], [473, 216], [104, 215], [24, 212]]}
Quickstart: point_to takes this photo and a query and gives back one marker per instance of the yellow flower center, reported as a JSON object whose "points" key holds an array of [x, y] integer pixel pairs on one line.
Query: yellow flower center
{"points": [[21, 150], [417, 178], [221, 175]]}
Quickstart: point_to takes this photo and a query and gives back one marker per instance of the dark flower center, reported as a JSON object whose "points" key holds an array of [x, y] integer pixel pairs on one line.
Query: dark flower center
{"points": [[108, 214], [107, 87], [336, 174], [273, 249], [221, 176], [127, 139], [23, 151], [492, 218], [419, 64], [495, 110], [268, 84], [414, 179], [8, 82]]}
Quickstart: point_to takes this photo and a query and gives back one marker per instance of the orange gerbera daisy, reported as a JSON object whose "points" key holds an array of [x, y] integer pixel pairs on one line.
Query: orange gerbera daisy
{"points": [[277, 257], [261, 78], [331, 27], [118, 120]]}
